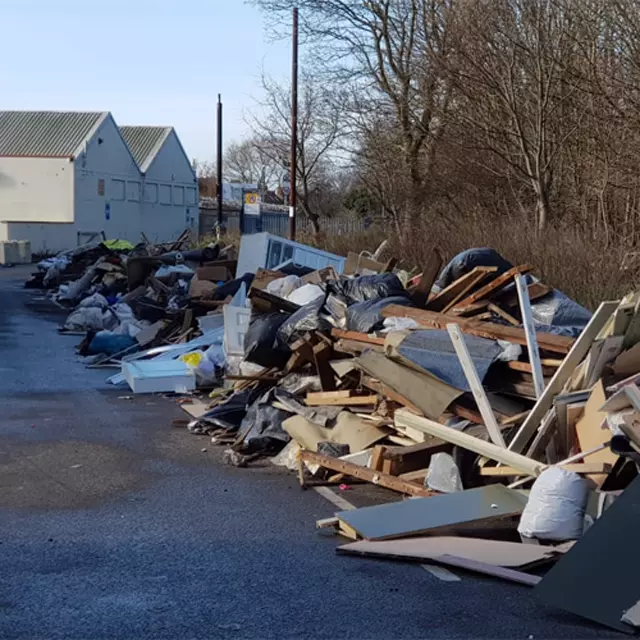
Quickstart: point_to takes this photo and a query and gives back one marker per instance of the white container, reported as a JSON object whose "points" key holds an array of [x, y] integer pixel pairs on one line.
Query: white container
{"points": [[157, 376]]}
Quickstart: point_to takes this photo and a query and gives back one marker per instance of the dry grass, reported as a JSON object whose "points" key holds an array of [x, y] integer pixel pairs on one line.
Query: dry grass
{"points": [[585, 269]]}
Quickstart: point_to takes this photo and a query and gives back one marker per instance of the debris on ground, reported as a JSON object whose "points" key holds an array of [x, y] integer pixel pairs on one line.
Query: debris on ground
{"points": [[509, 414]]}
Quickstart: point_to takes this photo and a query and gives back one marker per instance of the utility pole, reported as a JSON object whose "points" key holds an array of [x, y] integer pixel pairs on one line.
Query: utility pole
{"points": [[294, 128], [219, 162]]}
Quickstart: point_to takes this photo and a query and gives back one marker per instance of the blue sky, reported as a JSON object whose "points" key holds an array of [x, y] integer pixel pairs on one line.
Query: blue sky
{"points": [[159, 62]]}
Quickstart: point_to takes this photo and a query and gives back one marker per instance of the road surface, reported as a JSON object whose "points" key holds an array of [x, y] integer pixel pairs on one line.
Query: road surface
{"points": [[115, 525]]}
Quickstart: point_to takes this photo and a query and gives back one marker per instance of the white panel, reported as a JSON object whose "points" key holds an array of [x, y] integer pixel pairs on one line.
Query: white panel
{"points": [[151, 192], [133, 191], [117, 190], [164, 194]]}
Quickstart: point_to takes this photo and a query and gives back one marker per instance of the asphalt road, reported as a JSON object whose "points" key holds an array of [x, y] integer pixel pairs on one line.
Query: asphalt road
{"points": [[115, 525]]}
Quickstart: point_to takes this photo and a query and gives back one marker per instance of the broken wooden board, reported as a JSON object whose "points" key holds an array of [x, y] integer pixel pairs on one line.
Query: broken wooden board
{"points": [[349, 429], [490, 330], [499, 553], [561, 377], [428, 393], [196, 408], [420, 293], [491, 287], [628, 362], [590, 433], [370, 475], [585, 468], [459, 288], [357, 336], [346, 398], [527, 466], [448, 512], [268, 302], [597, 578]]}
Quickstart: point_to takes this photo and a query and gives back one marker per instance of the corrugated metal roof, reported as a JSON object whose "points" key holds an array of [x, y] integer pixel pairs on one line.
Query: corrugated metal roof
{"points": [[144, 142], [45, 133]]}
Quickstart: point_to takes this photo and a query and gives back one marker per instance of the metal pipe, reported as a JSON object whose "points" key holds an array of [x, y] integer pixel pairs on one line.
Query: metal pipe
{"points": [[219, 162], [294, 128]]}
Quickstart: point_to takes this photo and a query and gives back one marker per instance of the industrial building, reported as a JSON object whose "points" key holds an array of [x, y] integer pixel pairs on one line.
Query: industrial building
{"points": [[67, 176]]}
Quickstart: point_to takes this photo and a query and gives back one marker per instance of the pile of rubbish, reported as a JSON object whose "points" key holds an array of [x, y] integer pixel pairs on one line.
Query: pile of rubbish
{"points": [[508, 412]]}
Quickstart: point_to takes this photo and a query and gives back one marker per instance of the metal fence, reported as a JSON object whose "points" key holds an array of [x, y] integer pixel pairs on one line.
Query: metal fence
{"points": [[275, 223]]}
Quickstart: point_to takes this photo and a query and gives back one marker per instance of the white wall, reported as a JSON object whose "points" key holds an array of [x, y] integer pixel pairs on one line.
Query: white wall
{"points": [[108, 187], [36, 189], [170, 202], [45, 237]]}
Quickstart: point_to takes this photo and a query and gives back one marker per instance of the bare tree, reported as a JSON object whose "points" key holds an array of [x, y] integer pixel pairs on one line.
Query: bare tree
{"points": [[246, 162], [319, 125]]}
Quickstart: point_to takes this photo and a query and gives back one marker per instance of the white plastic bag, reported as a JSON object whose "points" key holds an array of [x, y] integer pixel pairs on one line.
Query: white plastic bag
{"points": [[305, 294], [283, 287], [556, 506], [443, 474]]}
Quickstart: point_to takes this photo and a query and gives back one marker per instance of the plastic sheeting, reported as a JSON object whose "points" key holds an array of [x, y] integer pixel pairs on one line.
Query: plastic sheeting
{"points": [[433, 351], [260, 346], [468, 260], [261, 429], [364, 288], [307, 318], [230, 414], [366, 316]]}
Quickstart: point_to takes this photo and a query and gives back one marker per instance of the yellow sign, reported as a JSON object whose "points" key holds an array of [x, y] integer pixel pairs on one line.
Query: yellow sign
{"points": [[251, 198]]}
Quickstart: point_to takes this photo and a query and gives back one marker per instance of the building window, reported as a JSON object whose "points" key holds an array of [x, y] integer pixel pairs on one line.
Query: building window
{"points": [[191, 195], [133, 191], [101, 187], [151, 192], [178, 196], [164, 191], [117, 189]]}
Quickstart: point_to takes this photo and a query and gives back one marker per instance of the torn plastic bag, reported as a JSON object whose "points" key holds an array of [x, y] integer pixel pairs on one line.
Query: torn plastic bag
{"points": [[95, 300], [283, 287], [307, 318], [230, 414], [231, 288], [559, 314], [352, 290], [556, 506], [260, 346], [305, 294], [90, 319], [443, 475], [261, 429], [366, 316], [468, 260], [109, 343]]}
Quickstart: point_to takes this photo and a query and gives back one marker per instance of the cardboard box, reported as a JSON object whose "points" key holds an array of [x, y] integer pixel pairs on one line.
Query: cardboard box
{"points": [[213, 274], [201, 288]]}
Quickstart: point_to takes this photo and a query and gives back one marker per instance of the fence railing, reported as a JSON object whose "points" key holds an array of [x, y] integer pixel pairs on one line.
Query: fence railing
{"points": [[276, 223]]}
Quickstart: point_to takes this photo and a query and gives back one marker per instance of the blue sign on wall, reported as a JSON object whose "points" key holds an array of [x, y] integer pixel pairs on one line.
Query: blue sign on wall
{"points": [[107, 211]]}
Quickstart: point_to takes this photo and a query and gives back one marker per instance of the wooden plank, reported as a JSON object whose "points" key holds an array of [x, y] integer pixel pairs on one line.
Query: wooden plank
{"points": [[318, 397], [547, 341], [525, 367], [476, 385], [459, 288], [488, 449], [415, 476], [461, 510], [388, 392], [364, 473], [498, 553], [494, 308], [530, 332], [321, 356], [577, 467], [430, 272], [376, 457], [591, 434], [348, 401], [494, 285], [574, 357], [357, 336], [509, 297], [488, 569], [428, 393]]}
